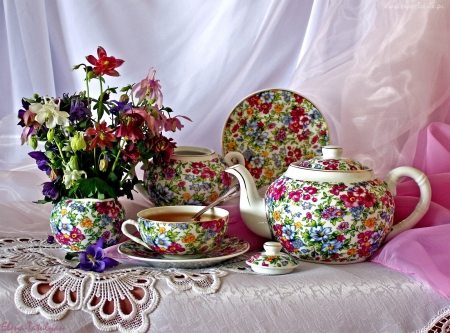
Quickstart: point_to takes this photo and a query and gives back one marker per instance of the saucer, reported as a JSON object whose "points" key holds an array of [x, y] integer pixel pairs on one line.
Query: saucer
{"points": [[273, 128], [231, 247]]}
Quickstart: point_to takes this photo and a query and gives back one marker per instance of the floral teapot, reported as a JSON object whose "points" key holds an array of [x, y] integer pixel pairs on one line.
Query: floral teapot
{"points": [[329, 209]]}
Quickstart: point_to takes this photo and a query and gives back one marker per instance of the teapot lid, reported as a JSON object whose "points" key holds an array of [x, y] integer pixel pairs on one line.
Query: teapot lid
{"points": [[272, 261], [332, 160]]}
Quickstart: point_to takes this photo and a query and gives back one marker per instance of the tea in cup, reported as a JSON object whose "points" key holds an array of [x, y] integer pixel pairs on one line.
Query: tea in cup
{"points": [[171, 232]]}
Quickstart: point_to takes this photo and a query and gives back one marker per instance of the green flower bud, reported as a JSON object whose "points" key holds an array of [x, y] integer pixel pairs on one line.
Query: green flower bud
{"points": [[77, 142], [73, 163], [90, 75], [103, 165], [50, 154], [33, 141], [50, 134]]}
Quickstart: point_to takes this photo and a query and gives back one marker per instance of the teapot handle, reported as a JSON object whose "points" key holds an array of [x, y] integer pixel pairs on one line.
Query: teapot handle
{"points": [[234, 155], [421, 179], [229, 160]]}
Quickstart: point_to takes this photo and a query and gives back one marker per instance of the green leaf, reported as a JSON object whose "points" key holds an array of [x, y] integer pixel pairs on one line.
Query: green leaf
{"points": [[95, 187], [112, 176]]}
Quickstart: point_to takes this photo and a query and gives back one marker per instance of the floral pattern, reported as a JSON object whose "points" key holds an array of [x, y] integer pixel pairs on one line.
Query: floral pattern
{"points": [[272, 129], [281, 260], [332, 164], [329, 222], [229, 247], [186, 182], [78, 223], [189, 238]]}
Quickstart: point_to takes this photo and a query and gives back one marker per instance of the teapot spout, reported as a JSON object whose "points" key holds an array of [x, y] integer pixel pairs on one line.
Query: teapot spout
{"points": [[251, 204]]}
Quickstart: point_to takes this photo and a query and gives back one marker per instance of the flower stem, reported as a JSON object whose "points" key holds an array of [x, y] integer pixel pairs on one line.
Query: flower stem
{"points": [[116, 160], [60, 151], [100, 102], [87, 91]]}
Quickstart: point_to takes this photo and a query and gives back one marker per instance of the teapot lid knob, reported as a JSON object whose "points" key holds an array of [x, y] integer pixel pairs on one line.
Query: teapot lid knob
{"points": [[272, 248], [332, 152]]}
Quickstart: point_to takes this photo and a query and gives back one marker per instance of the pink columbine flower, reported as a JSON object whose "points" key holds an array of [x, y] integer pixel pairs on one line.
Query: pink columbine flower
{"points": [[149, 89]]}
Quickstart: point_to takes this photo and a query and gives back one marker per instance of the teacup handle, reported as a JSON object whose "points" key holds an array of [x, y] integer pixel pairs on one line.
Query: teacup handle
{"points": [[133, 238], [421, 179], [234, 154]]}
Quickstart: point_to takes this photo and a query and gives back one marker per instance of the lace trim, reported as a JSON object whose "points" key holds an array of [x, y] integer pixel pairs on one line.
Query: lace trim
{"points": [[440, 323], [119, 299]]}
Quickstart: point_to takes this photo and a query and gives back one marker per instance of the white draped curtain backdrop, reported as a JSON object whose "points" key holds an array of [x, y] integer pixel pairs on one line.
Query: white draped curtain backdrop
{"points": [[379, 71]]}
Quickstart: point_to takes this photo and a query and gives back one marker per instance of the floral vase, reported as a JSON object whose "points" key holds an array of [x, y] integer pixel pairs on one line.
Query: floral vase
{"points": [[78, 223]]}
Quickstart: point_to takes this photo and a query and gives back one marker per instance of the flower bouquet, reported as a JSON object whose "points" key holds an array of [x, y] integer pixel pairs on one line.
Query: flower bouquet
{"points": [[91, 146]]}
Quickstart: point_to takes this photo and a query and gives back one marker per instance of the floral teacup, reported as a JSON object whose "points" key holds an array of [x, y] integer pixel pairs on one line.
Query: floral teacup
{"points": [[171, 232], [194, 176]]}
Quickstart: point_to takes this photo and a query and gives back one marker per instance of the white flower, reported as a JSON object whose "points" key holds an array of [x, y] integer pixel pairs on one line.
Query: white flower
{"points": [[49, 113], [71, 177]]}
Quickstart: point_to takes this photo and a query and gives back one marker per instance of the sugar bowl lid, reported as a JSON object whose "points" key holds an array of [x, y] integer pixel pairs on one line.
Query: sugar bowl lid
{"points": [[332, 160], [272, 261]]}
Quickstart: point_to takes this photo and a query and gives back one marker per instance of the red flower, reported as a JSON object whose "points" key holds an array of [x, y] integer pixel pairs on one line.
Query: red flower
{"points": [[304, 136], [350, 200], [278, 229], [365, 238], [164, 149], [76, 235], [130, 153], [175, 248], [207, 173], [108, 208], [297, 113], [253, 100], [310, 189], [369, 200], [265, 107], [104, 65], [295, 195], [256, 172], [102, 136], [225, 178], [216, 225], [295, 126], [131, 127]]}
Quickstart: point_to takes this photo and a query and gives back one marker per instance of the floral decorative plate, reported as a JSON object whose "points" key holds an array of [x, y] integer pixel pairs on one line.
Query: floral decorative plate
{"points": [[273, 128], [231, 247]]}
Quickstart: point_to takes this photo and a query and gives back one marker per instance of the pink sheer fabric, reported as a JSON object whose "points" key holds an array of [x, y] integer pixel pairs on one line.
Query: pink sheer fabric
{"points": [[379, 71], [424, 250]]}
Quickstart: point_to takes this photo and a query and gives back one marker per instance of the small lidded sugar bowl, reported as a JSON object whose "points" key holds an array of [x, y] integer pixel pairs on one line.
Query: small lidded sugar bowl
{"points": [[272, 261], [194, 176]]}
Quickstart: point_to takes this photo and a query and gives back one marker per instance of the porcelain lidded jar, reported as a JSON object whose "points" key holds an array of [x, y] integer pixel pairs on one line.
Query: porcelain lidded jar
{"points": [[194, 176]]}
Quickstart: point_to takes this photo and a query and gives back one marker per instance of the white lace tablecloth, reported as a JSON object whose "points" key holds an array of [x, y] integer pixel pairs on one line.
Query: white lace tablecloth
{"points": [[364, 297]]}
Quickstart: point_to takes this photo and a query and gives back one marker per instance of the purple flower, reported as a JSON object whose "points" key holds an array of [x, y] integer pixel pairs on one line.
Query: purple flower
{"points": [[51, 189], [343, 226], [120, 107], [93, 259], [50, 239], [41, 161], [78, 110]]}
